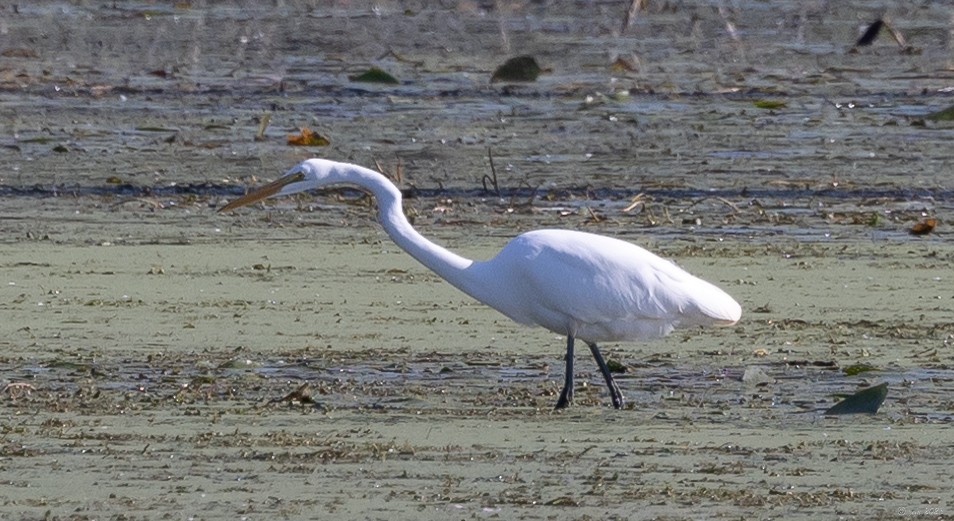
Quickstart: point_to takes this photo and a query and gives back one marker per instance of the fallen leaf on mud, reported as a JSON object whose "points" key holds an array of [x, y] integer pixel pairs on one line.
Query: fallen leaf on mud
{"points": [[868, 37], [866, 401], [872, 32], [307, 138], [521, 68], [924, 227], [945, 114], [769, 104], [374, 75], [856, 369]]}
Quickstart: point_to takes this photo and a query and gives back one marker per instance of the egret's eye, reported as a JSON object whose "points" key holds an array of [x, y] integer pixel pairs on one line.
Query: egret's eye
{"points": [[296, 177]]}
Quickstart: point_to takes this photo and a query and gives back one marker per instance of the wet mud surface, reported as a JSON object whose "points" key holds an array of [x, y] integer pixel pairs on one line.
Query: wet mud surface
{"points": [[152, 349]]}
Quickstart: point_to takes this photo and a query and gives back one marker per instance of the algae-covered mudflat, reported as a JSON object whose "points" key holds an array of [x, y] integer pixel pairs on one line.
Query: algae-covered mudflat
{"points": [[153, 352]]}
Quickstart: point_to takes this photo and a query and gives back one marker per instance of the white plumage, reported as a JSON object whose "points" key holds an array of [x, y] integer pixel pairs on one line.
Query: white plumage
{"points": [[577, 284]]}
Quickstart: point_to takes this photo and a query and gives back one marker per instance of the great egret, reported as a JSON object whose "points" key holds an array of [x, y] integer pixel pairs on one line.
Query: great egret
{"points": [[581, 285]]}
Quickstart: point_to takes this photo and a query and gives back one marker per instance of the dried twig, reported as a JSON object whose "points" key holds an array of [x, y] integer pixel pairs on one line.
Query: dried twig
{"points": [[17, 389], [593, 215], [896, 34], [397, 176], [262, 125], [729, 25], [722, 200], [874, 29], [639, 199], [493, 175], [635, 6]]}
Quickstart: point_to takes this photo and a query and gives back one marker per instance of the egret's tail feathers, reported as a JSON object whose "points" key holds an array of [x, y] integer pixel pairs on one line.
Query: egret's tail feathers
{"points": [[720, 308]]}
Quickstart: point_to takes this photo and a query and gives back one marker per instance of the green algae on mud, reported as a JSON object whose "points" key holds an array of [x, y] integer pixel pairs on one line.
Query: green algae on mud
{"points": [[429, 403]]}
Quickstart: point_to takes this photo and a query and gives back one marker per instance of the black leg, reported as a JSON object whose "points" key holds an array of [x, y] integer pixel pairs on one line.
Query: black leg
{"points": [[615, 393], [566, 396]]}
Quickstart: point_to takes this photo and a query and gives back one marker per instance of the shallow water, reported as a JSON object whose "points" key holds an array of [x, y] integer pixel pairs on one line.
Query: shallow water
{"points": [[150, 340]]}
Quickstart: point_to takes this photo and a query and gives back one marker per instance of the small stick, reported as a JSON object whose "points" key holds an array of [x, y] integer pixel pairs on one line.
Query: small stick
{"points": [[262, 125], [493, 172], [634, 8]]}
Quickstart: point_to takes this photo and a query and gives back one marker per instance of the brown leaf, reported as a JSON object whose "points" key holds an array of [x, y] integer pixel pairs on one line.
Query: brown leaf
{"points": [[924, 227], [307, 138]]}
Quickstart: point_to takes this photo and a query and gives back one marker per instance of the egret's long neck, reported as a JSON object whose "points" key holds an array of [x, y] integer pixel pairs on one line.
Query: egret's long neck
{"points": [[447, 264]]}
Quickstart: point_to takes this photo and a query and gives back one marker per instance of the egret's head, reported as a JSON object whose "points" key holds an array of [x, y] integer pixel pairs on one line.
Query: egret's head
{"points": [[303, 176]]}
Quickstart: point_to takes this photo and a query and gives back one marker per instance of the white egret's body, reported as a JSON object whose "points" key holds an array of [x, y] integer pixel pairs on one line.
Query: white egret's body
{"points": [[577, 284]]}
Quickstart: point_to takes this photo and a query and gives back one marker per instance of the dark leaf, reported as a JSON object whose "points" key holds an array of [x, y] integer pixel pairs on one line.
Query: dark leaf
{"points": [[521, 68], [769, 104], [374, 75], [866, 401], [870, 33]]}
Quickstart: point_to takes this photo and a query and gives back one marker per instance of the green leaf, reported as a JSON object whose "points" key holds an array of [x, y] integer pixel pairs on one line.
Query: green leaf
{"points": [[866, 401], [942, 115], [769, 104], [375, 75], [856, 369]]}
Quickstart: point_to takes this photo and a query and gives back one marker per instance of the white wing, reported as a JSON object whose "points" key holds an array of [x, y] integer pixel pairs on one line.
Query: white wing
{"points": [[599, 288]]}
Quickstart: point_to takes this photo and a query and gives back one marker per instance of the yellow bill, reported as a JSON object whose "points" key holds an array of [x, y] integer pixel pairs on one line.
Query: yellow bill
{"points": [[262, 192]]}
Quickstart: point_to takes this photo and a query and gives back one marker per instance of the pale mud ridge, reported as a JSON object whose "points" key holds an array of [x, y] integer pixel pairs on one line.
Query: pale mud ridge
{"points": [[148, 342]]}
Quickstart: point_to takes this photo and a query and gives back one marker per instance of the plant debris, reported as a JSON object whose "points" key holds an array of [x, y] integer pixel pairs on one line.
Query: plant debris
{"points": [[856, 369], [375, 75], [945, 114], [866, 401], [923, 227], [769, 104], [307, 138], [874, 29], [870, 33], [520, 68]]}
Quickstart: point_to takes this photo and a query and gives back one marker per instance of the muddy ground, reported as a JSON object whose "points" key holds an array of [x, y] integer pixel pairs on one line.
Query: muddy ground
{"points": [[147, 342]]}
